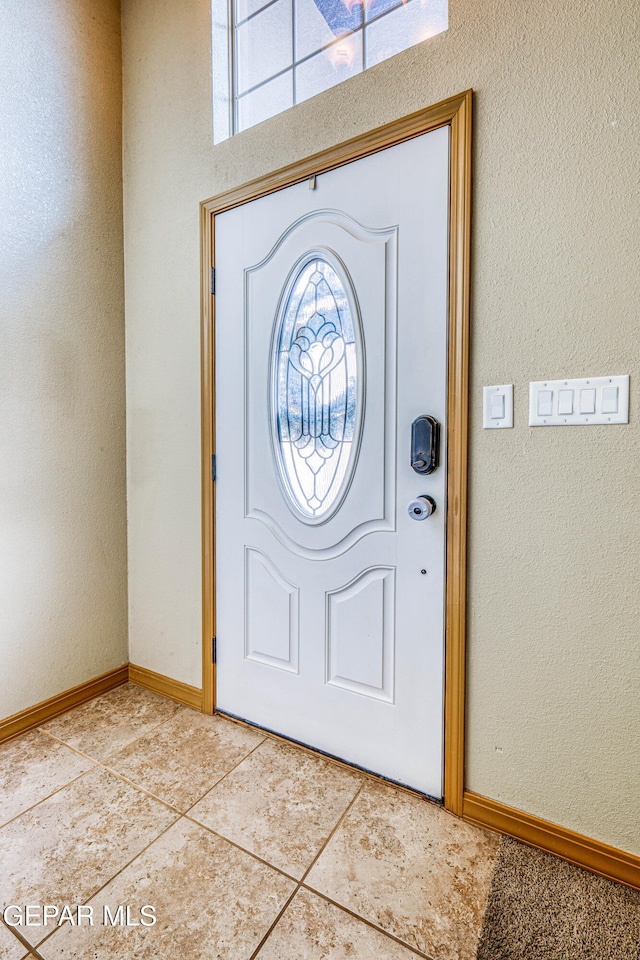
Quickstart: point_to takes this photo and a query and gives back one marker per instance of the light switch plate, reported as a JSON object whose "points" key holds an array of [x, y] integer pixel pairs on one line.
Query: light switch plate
{"points": [[564, 403], [496, 400]]}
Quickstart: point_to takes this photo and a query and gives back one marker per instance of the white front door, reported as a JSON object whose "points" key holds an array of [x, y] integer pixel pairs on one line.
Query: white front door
{"points": [[331, 339]]}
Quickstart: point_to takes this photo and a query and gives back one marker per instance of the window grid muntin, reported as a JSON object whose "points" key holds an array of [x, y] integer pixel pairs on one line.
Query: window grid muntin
{"points": [[234, 25], [327, 46]]}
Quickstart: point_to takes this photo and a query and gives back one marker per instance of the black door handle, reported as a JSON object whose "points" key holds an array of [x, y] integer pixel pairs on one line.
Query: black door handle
{"points": [[425, 444]]}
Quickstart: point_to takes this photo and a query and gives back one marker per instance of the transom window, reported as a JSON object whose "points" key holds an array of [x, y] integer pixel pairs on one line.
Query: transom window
{"points": [[271, 54]]}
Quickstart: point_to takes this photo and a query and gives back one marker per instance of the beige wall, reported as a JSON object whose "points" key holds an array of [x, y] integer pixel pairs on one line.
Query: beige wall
{"points": [[554, 663], [62, 445]]}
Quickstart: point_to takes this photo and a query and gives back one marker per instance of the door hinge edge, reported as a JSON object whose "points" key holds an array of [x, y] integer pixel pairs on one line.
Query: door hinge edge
{"points": [[213, 466], [214, 650], [213, 281]]}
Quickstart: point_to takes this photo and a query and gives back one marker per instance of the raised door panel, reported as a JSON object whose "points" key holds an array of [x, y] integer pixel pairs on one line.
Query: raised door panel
{"points": [[271, 614], [360, 625]]}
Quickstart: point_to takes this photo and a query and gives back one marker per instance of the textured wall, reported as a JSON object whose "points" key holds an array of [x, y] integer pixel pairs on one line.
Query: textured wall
{"points": [[554, 674], [62, 445]]}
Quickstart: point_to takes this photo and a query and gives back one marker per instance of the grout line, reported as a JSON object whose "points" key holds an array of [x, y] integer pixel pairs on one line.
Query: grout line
{"points": [[178, 813], [267, 734], [255, 953], [260, 859], [331, 833], [69, 746], [375, 778], [32, 951], [223, 777], [255, 856], [341, 764], [116, 874], [299, 883], [369, 923], [48, 797], [273, 925], [139, 854], [115, 752], [136, 786], [135, 739], [104, 762], [147, 733], [302, 885], [172, 806], [97, 766]]}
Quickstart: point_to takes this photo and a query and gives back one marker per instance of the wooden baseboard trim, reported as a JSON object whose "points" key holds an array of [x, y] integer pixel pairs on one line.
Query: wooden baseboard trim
{"points": [[597, 857], [35, 716], [166, 687]]}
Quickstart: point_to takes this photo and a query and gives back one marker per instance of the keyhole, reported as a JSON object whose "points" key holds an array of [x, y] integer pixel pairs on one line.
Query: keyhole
{"points": [[417, 511], [423, 572]]}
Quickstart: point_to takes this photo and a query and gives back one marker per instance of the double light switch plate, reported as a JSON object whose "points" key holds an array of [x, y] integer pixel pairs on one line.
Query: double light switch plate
{"points": [[578, 402]]}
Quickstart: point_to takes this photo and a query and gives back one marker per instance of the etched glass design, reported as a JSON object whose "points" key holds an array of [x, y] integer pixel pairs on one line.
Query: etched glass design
{"points": [[316, 384]]}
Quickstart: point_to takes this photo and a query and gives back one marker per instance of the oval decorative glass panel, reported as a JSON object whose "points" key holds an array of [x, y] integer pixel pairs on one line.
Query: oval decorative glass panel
{"points": [[317, 377]]}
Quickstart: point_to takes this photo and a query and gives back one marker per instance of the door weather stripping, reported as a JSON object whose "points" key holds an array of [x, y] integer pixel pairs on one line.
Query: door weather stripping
{"points": [[213, 280], [213, 466], [214, 651]]}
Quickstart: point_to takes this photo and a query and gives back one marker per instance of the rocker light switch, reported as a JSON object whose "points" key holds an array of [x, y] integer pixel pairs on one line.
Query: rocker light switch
{"points": [[588, 400], [545, 403], [497, 406], [609, 399], [563, 403]]}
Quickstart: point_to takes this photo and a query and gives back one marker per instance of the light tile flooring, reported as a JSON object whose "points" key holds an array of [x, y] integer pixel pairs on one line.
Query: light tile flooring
{"points": [[246, 846]]}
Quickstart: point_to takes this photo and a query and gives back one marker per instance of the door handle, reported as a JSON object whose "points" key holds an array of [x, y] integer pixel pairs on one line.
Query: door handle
{"points": [[421, 508], [425, 444]]}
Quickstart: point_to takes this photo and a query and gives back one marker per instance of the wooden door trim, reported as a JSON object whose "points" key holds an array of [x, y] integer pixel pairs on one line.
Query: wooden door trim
{"points": [[455, 112]]}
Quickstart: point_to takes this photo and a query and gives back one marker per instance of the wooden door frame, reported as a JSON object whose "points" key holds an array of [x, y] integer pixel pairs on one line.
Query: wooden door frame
{"points": [[456, 113]]}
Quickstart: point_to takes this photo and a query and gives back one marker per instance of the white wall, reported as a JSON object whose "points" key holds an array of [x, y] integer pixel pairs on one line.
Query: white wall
{"points": [[554, 665], [62, 445]]}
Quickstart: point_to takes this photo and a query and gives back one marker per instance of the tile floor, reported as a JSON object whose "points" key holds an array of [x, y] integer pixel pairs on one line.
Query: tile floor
{"points": [[246, 846]]}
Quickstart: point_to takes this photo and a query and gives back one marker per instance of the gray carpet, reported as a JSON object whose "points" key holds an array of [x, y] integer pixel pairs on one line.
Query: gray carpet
{"points": [[541, 908]]}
